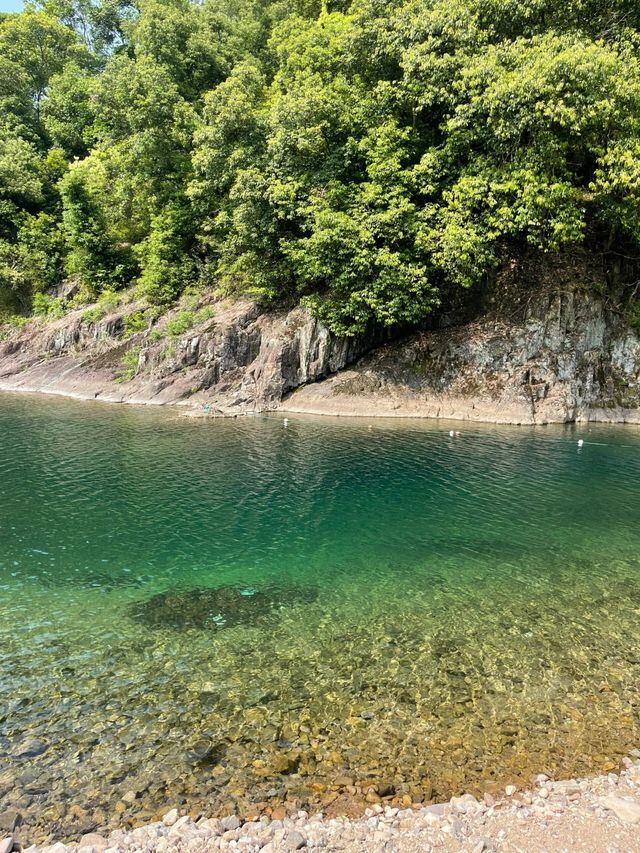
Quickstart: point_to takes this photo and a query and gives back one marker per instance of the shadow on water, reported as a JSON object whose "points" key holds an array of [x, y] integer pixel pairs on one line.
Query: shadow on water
{"points": [[216, 608]]}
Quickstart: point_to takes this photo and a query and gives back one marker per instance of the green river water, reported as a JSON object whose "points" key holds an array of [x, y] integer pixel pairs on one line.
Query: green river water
{"points": [[225, 613]]}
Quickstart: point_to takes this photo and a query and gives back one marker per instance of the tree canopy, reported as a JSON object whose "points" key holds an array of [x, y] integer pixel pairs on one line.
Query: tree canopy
{"points": [[367, 157]]}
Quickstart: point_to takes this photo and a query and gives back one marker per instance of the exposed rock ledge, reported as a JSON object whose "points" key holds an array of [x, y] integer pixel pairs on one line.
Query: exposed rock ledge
{"points": [[238, 360], [566, 359], [560, 357]]}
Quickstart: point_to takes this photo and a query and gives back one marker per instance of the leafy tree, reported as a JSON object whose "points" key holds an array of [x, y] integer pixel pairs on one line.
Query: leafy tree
{"points": [[166, 265], [41, 247], [368, 157], [93, 256], [67, 112], [40, 46], [99, 23]]}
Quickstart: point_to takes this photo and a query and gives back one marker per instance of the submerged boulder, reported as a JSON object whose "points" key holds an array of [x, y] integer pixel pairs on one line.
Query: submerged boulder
{"points": [[217, 607]]}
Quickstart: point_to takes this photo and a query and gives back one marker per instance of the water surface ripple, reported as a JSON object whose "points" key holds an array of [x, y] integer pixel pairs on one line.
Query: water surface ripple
{"points": [[233, 613]]}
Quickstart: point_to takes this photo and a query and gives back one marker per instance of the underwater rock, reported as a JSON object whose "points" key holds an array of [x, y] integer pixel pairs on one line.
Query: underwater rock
{"points": [[9, 820], [218, 607], [205, 753], [31, 749]]}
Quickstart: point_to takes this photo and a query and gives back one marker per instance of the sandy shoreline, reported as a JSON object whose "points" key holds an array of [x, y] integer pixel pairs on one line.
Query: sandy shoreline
{"points": [[600, 813]]}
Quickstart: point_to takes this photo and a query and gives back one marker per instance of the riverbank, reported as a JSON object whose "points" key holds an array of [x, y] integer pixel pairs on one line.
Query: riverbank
{"points": [[553, 352], [600, 813]]}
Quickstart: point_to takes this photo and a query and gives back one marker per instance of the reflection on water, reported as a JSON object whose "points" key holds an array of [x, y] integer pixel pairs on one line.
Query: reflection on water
{"points": [[230, 613]]}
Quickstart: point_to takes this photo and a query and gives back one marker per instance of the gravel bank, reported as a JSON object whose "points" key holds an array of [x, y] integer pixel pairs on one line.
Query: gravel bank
{"points": [[597, 814]]}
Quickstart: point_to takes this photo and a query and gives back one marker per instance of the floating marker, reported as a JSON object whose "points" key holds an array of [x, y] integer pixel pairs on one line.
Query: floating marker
{"points": [[286, 422], [580, 442], [451, 433]]}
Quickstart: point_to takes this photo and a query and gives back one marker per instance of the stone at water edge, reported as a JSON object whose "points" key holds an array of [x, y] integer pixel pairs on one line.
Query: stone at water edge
{"points": [[624, 809], [437, 809], [95, 840], [182, 825], [6, 845], [466, 804], [295, 840], [170, 818], [230, 823]]}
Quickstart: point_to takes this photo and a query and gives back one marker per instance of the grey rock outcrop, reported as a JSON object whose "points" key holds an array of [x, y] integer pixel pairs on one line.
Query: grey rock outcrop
{"points": [[238, 360], [561, 355], [567, 358]]}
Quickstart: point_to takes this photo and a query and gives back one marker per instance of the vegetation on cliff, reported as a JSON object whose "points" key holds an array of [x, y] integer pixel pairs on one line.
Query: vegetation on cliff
{"points": [[367, 157]]}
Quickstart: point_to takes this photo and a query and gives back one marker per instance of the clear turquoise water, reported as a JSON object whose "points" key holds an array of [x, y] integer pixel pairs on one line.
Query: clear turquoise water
{"points": [[397, 606]]}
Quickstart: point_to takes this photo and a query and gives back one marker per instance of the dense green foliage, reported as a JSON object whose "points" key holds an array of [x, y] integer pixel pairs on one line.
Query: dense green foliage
{"points": [[367, 157]]}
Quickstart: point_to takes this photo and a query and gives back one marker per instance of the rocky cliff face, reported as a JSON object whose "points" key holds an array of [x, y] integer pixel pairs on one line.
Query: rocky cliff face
{"points": [[560, 356], [566, 358], [237, 360]]}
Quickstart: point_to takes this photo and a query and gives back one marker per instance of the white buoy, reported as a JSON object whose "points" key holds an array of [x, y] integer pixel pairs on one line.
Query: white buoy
{"points": [[286, 422], [451, 433], [580, 442]]}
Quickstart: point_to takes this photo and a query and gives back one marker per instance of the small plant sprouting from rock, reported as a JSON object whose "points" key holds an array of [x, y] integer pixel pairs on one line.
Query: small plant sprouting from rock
{"points": [[107, 303], [53, 308], [169, 351], [10, 322], [134, 323], [633, 316], [129, 364], [93, 314], [179, 324], [185, 320]]}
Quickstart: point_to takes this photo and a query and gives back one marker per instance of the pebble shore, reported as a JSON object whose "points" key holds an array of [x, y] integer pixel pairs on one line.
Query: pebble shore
{"points": [[596, 814]]}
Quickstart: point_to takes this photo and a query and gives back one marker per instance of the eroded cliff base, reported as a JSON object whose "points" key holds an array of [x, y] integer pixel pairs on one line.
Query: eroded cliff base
{"points": [[540, 346], [233, 358], [565, 359]]}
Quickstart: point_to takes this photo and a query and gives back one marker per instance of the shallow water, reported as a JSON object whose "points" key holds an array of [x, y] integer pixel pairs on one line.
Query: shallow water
{"points": [[232, 612]]}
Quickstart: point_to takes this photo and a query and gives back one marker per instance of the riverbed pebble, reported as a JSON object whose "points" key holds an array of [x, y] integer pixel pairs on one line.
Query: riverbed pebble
{"points": [[95, 841], [582, 815]]}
